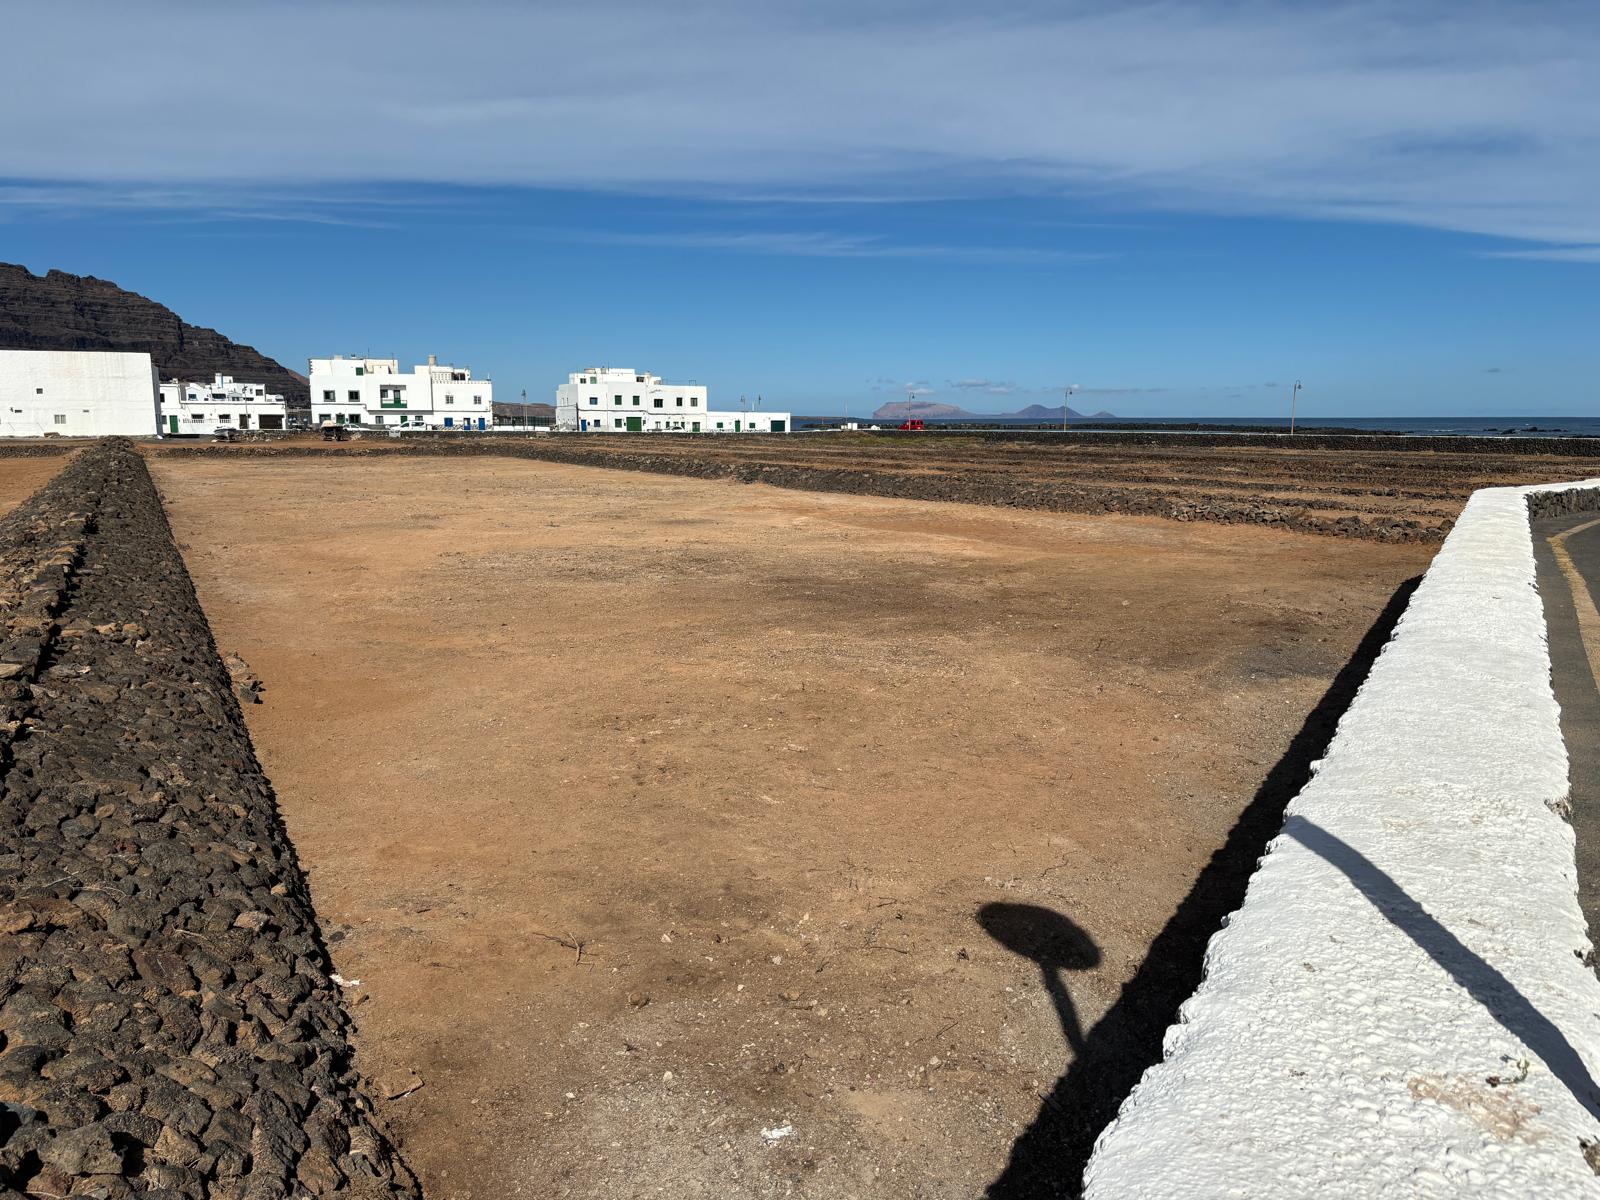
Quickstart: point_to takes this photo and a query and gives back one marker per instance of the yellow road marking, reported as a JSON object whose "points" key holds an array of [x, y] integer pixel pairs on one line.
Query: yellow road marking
{"points": [[1582, 601]]}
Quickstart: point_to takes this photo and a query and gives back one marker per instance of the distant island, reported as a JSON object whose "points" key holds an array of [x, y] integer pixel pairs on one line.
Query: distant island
{"points": [[900, 410]]}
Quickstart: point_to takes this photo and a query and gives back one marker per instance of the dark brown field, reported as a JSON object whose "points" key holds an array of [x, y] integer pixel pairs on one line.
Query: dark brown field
{"points": [[1362, 489]]}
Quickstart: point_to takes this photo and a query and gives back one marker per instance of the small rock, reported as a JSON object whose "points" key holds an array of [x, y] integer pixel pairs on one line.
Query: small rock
{"points": [[401, 1084]]}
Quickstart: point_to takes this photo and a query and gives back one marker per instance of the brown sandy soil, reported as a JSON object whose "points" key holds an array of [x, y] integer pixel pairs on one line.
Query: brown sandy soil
{"points": [[654, 813], [22, 477]]}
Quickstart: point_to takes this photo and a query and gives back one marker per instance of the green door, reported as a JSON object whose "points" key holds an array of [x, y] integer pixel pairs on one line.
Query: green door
{"points": [[696, 425], [172, 423], [777, 427], [635, 424], [736, 427]]}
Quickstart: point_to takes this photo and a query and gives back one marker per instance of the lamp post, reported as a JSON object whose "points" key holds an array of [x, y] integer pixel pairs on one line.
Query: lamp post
{"points": [[1066, 407], [1294, 395]]}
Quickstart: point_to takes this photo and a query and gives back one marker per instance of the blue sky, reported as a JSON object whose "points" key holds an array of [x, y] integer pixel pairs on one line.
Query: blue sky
{"points": [[1178, 208]]}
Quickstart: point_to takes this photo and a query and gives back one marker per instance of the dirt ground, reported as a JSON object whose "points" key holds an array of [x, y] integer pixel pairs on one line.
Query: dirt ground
{"points": [[655, 816], [22, 477]]}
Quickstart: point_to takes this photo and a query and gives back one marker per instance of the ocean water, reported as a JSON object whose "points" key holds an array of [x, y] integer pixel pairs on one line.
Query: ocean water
{"points": [[1431, 426]]}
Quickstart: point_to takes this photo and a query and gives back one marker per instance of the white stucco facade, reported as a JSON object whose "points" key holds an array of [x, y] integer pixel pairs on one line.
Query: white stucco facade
{"points": [[224, 403], [622, 400], [375, 392], [77, 393]]}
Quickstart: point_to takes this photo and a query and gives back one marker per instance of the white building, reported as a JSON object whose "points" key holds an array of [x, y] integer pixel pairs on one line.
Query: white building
{"points": [[223, 403], [622, 400], [77, 393], [373, 391]]}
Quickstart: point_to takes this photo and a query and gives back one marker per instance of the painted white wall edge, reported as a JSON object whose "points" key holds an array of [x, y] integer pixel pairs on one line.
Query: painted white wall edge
{"points": [[1400, 1007]]}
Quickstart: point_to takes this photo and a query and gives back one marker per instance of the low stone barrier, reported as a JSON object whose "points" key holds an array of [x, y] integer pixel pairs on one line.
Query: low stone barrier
{"points": [[1403, 1004], [168, 1022]]}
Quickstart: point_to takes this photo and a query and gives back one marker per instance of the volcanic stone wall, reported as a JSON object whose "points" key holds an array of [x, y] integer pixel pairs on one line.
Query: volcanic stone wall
{"points": [[1542, 504], [168, 1027]]}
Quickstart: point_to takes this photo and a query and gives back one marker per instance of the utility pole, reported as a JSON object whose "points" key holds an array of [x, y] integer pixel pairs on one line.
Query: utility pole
{"points": [[1294, 395]]}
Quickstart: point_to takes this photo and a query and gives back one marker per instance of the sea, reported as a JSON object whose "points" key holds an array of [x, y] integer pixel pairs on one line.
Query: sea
{"points": [[1429, 426]]}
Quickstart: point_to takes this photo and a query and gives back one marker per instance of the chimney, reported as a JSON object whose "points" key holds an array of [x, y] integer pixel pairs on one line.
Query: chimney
{"points": [[433, 360]]}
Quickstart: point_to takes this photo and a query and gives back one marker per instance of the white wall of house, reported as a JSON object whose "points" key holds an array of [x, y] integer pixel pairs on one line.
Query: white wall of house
{"points": [[77, 393], [223, 403], [622, 400], [375, 392]]}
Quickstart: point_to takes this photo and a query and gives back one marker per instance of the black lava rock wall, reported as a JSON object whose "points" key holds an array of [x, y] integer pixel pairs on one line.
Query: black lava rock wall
{"points": [[168, 1027], [1561, 504]]}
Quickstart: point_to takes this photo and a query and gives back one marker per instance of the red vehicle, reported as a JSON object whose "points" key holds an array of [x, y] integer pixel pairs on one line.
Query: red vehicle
{"points": [[914, 424]]}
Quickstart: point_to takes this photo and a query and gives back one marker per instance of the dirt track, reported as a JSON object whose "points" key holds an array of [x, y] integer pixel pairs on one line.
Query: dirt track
{"points": [[653, 813], [1360, 490]]}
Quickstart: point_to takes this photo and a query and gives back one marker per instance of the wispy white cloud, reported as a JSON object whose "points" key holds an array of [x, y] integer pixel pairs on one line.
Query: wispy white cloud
{"points": [[1572, 254], [1467, 115], [223, 202], [815, 244], [1118, 391], [990, 387], [884, 383]]}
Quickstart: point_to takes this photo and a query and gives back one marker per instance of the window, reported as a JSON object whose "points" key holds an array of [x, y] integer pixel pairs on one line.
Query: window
{"points": [[618, 422], [38, 391], [638, 378], [224, 416], [477, 399], [327, 397], [658, 401], [680, 401], [378, 419], [61, 419], [693, 402], [636, 401], [719, 424], [594, 399], [449, 399], [355, 397], [361, 370], [616, 399]]}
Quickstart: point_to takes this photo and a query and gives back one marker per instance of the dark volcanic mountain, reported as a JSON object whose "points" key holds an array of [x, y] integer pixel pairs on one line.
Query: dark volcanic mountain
{"points": [[59, 311], [897, 410], [1040, 412]]}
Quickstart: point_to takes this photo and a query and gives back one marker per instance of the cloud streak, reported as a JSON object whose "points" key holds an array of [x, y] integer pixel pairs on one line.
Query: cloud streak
{"points": [[1468, 116]]}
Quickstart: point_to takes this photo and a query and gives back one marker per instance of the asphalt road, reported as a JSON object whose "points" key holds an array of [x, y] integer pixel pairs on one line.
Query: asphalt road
{"points": [[1567, 551]]}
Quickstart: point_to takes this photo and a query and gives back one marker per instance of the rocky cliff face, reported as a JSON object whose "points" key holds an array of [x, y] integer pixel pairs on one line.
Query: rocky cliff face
{"points": [[59, 311]]}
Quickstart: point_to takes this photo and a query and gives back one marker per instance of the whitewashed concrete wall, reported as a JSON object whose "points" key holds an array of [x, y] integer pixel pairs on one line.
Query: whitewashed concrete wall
{"points": [[1400, 1007], [77, 393]]}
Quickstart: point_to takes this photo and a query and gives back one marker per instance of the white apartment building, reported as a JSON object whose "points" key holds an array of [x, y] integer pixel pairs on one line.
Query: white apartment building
{"points": [[622, 400], [374, 391], [77, 393], [224, 403]]}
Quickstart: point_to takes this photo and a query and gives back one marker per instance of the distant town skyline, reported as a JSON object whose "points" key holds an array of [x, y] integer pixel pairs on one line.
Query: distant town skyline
{"points": [[1181, 209]]}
